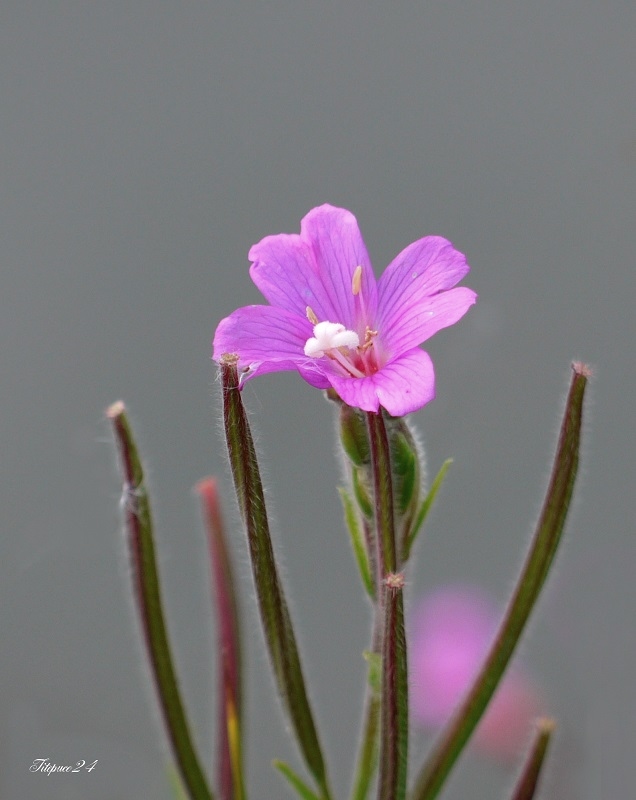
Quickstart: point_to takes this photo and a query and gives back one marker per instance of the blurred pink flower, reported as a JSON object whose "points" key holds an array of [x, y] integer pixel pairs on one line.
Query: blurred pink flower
{"points": [[451, 631]]}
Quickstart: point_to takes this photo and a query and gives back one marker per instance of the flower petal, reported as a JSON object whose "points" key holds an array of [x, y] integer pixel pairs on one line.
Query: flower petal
{"points": [[421, 271], [429, 265], [316, 268], [402, 386], [266, 339], [338, 249], [284, 270], [419, 318]]}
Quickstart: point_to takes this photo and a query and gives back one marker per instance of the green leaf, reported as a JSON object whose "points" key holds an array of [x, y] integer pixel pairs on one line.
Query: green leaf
{"points": [[358, 544], [295, 781], [176, 784], [147, 594], [368, 757], [274, 614], [367, 761], [535, 570], [424, 509], [374, 675]]}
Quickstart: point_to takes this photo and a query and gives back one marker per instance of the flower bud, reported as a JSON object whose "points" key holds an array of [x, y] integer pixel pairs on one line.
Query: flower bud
{"points": [[354, 436]]}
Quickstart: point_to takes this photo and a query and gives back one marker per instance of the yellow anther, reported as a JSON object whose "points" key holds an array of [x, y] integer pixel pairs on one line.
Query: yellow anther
{"points": [[311, 316], [369, 336], [356, 281]]}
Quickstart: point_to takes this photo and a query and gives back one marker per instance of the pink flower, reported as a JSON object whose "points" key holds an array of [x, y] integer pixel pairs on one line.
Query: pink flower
{"points": [[451, 632], [332, 321]]}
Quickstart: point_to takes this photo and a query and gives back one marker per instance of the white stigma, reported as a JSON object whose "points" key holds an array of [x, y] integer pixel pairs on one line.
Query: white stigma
{"points": [[329, 336]]}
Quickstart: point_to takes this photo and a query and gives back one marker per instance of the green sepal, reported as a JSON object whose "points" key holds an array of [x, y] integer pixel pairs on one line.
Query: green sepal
{"points": [[295, 781], [423, 510], [354, 438], [357, 541], [405, 473]]}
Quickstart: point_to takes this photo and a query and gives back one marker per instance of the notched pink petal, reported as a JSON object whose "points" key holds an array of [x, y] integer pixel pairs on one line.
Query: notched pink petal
{"points": [[358, 392], [284, 270], [429, 265], [403, 386], [335, 239], [420, 271], [266, 339], [407, 384], [419, 319]]}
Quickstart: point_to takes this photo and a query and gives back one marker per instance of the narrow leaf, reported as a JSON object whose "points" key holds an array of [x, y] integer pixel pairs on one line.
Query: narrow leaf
{"points": [[367, 762], [543, 548], [295, 781], [230, 780], [358, 544], [529, 778], [369, 750], [424, 509], [176, 784], [394, 716], [140, 540], [374, 675], [275, 619]]}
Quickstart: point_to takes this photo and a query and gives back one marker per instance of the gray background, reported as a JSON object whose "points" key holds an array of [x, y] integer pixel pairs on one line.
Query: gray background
{"points": [[143, 148]]}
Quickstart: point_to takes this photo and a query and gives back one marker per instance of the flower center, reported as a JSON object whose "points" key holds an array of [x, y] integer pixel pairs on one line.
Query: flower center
{"points": [[332, 339], [330, 336]]}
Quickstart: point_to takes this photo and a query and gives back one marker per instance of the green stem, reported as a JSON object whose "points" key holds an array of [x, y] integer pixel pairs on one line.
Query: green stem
{"points": [[534, 573], [529, 778], [275, 619], [230, 779], [148, 597], [394, 703], [394, 732]]}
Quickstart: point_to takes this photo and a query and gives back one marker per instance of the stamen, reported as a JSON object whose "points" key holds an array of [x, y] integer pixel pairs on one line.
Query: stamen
{"points": [[344, 362], [369, 336], [356, 281], [311, 316]]}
